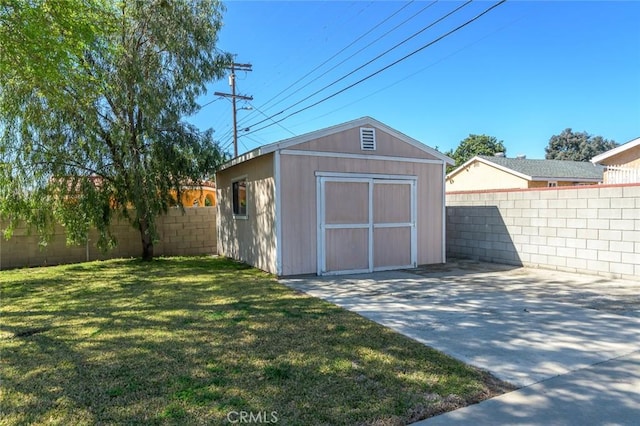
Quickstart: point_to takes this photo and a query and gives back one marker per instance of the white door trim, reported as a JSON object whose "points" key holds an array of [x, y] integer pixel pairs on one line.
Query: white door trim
{"points": [[366, 176], [371, 180], [372, 157]]}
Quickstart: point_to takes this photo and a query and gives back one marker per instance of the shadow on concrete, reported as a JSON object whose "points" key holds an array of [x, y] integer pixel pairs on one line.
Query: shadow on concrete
{"points": [[605, 393], [522, 325]]}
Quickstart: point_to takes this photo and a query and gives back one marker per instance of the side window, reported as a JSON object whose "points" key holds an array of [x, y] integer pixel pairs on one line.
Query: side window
{"points": [[240, 197]]}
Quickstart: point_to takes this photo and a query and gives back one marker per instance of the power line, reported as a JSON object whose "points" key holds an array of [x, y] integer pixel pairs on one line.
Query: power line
{"points": [[365, 47], [421, 70], [459, 27], [279, 125], [232, 81], [333, 56], [210, 102], [340, 22], [370, 61], [228, 133]]}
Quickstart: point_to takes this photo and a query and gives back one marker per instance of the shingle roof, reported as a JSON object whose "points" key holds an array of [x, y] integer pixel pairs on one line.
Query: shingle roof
{"points": [[552, 169]]}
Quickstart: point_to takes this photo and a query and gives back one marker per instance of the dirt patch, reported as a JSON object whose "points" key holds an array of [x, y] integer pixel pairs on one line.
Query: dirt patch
{"points": [[437, 404]]}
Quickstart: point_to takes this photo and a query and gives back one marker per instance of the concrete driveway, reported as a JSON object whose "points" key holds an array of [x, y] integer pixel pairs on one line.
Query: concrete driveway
{"points": [[523, 325]]}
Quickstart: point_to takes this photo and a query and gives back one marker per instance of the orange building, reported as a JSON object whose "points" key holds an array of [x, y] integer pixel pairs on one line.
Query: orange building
{"points": [[194, 196]]}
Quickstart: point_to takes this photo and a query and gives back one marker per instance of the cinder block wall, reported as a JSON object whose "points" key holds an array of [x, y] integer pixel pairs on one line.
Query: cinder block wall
{"points": [[592, 229], [191, 233]]}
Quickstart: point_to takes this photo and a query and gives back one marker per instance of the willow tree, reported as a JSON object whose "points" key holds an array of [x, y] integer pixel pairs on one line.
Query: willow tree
{"points": [[92, 99]]}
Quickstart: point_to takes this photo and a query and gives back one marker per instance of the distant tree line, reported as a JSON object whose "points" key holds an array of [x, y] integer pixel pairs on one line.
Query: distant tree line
{"points": [[568, 145]]}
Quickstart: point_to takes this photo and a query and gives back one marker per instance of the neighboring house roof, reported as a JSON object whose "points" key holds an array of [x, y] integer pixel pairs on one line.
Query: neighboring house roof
{"points": [[364, 121], [540, 170], [615, 151]]}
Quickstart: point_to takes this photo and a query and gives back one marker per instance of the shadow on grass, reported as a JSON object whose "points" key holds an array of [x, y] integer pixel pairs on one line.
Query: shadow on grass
{"points": [[189, 340]]}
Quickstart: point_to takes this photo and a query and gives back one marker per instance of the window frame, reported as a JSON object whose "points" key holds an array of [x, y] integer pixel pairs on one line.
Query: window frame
{"points": [[552, 184], [235, 199]]}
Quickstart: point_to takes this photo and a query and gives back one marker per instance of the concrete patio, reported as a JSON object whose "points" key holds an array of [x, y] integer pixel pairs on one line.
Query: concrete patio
{"points": [[524, 325]]}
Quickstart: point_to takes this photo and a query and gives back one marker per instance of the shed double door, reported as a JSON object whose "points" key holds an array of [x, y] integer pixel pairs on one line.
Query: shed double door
{"points": [[366, 224]]}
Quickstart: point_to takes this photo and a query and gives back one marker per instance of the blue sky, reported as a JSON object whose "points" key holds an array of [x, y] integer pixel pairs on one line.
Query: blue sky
{"points": [[522, 72]]}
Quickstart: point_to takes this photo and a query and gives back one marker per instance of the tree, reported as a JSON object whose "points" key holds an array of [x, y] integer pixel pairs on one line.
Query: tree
{"points": [[475, 145], [578, 146], [91, 119]]}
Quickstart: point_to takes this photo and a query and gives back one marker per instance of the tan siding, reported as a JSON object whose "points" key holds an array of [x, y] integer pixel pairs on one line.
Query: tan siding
{"points": [[538, 184], [391, 246], [348, 141], [392, 203], [478, 176], [429, 222], [298, 201], [629, 158], [347, 249], [545, 184], [355, 210], [253, 239]]}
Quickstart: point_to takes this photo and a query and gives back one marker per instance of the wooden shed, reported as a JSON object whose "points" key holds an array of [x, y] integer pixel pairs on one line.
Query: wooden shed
{"points": [[356, 197]]}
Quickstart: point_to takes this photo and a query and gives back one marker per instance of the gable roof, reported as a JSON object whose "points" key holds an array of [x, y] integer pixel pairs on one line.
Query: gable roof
{"points": [[540, 170], [363, 121], [615, 151]]}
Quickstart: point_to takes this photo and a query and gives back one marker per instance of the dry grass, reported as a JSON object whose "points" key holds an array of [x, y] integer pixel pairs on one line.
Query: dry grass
{"points": [[190, 340]]}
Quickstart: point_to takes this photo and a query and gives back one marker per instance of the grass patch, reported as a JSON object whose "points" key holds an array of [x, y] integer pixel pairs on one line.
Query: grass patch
{"points": [[189, 340]]}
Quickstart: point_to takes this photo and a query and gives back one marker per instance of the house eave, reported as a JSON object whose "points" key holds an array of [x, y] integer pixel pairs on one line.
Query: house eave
{"points": [[615, 151], [488, 163], [563, 179], [307, 137]]}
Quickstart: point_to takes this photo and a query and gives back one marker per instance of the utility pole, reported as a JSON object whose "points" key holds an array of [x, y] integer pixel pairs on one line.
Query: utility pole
{"points": [[232, 82]]}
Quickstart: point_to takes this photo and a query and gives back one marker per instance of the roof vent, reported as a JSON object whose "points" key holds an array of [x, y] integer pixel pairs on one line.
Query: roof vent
{"points": [[521, 157], [499, 154], [367, 139]]}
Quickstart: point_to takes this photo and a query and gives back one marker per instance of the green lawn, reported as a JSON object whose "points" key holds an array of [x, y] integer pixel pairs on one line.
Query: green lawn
{"points": [[198, 340]]}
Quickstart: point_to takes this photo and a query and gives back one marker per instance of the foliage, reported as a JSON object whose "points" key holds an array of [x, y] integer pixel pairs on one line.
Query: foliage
{"points": [[189, 340], [576, 146], [92, 98], [475, 145]]}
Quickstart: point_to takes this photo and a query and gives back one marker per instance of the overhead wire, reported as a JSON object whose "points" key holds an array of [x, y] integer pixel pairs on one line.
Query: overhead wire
{"points": [[421, 70], [414, 52], [279, 125], [210, 102], [364, 47], [332, 57], [328, 25], [457, 9]]}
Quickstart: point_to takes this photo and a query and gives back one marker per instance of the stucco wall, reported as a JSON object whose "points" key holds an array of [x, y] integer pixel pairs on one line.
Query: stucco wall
{"points": [[191, 233], [629, 158], [624, 167], [593, 229], [251, 239], [479, 176]]}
